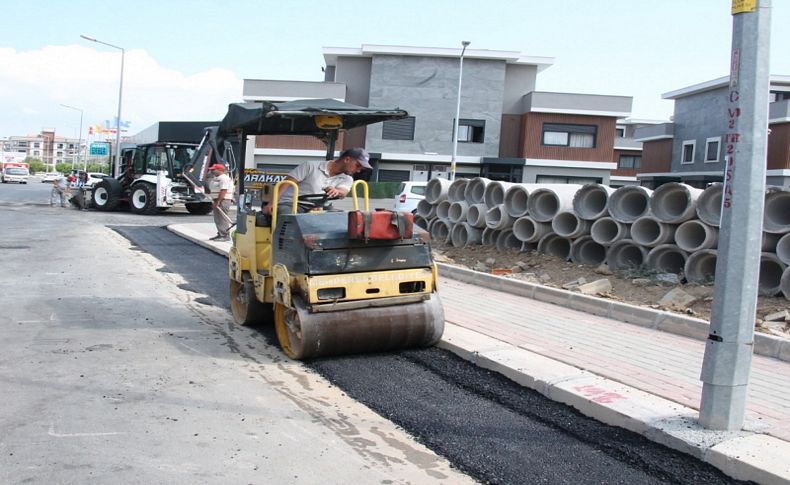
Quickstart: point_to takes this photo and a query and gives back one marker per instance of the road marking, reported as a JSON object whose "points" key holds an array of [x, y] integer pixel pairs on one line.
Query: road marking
{"points": [[79, 435]]}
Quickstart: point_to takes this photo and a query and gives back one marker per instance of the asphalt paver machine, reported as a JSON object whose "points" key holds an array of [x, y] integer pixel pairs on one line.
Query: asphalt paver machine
{"points": [[326, 293]]}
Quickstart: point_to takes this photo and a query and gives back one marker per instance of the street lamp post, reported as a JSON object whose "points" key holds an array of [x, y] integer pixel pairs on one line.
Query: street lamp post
{"points": [[464, 43], [79, 143], [116, 166]]}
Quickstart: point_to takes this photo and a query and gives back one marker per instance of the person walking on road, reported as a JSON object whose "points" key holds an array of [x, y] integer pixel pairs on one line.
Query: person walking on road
{"points": [[332, 177], [221, 190], [60, 190]]}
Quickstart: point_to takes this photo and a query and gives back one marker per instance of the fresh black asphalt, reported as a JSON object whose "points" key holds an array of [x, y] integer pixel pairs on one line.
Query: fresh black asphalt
{"points": [[486, 425]]}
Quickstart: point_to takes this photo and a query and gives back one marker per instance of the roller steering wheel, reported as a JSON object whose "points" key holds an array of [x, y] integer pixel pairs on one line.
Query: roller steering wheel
{"points": [[310, 202]]}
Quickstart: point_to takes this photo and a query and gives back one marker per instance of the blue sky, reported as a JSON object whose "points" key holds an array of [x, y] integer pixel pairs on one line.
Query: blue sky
{"points": [[185, 60]]}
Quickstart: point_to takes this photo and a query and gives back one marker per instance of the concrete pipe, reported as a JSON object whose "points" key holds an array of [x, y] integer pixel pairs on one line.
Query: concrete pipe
{"points": [[421, 221], [436, 190], [555, 245], [784, 283], [507, 241], [607, 231], [674, 202], [624, 254], [783, 249], [476, 215], [545, 203], [667, 258], [695, 235], [457, 211], [586, 251], [443, 209], [568, 224], [440, 230], [770, 242], [516, 199], [463, 235], [701, 266], [709, 204], [629, 203], [497, 218], [489, 237], [776, 218], [495, 193], [529, 230], [769, 283], [457, 190], [476, 189], [528, 247], [426, 209], [649, 231], [591, 200]]}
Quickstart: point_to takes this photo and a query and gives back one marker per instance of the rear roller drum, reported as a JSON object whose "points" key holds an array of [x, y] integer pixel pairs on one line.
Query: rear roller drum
{"points": [[244, 305]]}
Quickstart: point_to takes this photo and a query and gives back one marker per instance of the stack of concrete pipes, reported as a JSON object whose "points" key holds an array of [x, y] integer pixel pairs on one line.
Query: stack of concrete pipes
{"points": [[673, 229]]}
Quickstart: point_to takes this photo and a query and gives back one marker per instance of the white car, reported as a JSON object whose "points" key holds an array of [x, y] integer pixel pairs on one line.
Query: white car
{"points": [[49, 177], [94, 178], [409, 195]]}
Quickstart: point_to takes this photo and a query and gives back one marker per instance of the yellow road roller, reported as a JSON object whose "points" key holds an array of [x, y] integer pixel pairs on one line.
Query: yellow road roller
{"points": [[326, 290]]}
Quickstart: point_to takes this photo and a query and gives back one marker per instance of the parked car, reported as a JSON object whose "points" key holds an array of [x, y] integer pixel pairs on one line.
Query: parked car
{"points": [[49, 177], [94, 178], [409, 195]]}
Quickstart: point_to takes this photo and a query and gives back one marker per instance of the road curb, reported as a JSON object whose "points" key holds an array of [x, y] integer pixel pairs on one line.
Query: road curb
{"points": [[664, 321]]}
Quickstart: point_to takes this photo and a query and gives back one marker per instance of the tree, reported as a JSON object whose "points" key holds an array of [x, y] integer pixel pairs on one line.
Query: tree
{"points": [[36, 165]]}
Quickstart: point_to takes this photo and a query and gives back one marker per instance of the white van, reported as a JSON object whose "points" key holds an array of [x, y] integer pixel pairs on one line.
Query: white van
{"points": [[409, 195]]}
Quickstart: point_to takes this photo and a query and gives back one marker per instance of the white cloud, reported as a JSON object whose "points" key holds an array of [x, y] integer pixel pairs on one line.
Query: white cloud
{"points": [[33, 85]]}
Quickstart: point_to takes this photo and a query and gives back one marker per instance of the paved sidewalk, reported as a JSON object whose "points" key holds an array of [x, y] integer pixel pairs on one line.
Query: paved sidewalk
{"points": [[637, 378]]}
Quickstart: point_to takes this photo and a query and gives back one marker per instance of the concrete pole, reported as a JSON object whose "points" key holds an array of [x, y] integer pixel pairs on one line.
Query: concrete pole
{"points": [[464, 43], [728, 351]]}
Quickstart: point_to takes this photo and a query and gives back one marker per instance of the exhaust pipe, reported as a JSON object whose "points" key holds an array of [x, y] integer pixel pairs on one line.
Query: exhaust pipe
{"points": [[568, 224], [457, 212], [555, 245], [695, 235], [607, 231], [516, 199], [701, 266], [769, 282], [529, 230], [476, 215], [591, 200], [495, 193], [776, 218], [463, 235], [497, 218], [436, 190], [489, 236], [475, 190], [674, 202], [586, 251], [545, 203], [624, 254], [649, 231], [709, 204], [457, 190], [629, 203], [667, 258], [507, 241]]}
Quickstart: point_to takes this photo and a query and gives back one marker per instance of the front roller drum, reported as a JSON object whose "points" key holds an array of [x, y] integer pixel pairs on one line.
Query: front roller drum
{"points": [[304, 335]]}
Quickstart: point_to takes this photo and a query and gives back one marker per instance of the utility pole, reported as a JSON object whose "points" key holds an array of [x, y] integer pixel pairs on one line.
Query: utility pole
{"points": [[728, 350], [464, 44]]}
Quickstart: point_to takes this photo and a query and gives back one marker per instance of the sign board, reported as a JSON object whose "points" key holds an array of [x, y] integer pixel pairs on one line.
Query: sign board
{"points": [[743, 6], [255, 179], [99, 149]]}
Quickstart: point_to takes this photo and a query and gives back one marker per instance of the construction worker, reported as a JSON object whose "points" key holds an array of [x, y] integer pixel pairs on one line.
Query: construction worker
{"points": [[221, 191]]}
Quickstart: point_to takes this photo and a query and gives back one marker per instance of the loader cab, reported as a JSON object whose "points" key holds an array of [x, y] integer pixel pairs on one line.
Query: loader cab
{"points": [[152, 158]]}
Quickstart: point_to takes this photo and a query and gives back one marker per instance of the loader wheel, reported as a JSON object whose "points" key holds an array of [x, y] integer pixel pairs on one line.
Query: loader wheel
{"points": [[143, 199], [245, 307], [199, 208], [106, 195], [289, 331]]}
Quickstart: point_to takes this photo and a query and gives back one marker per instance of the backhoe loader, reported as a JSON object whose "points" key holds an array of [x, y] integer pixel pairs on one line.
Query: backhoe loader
{"points": [[326, 292]]}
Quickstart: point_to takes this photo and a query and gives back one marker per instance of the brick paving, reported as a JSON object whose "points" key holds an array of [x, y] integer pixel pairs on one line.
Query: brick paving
{"points": [[660, 363]]}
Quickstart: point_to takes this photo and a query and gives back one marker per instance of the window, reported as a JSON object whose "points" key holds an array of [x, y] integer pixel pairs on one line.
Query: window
{"points": [[630, 161], [556, 179], [687, 155], [574, 136], [398, 129], [619, 131], [774, 96], [471, 131], [712, 150]]}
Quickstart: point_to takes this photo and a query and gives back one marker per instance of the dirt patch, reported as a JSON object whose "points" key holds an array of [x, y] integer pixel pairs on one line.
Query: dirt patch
{"points": [[635, 286]]}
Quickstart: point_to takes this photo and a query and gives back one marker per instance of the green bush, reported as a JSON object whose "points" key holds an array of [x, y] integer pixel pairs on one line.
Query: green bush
{"points": [[383, 190]]}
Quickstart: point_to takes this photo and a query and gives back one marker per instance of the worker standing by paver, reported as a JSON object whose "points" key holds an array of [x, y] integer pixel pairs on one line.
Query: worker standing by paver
{"points": [[221, 190]]}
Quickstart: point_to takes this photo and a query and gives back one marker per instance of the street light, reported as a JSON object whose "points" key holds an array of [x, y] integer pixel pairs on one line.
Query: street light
{"points": [[79, 143], [464, 43], [116, 167]]}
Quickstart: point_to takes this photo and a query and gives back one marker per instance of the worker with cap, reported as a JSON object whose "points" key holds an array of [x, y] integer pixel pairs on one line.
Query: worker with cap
{"points": [[331, 177], [221, 191]]}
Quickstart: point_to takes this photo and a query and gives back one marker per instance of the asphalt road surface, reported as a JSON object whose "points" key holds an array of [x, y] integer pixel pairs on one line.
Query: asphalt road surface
{"points": [[485, 426]]}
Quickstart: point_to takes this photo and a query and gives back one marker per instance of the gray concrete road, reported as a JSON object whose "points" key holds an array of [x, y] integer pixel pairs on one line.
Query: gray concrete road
{"points": [[113, 371]]}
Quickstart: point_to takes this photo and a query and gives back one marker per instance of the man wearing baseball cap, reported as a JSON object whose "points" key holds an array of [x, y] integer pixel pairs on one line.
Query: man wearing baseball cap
{"points": [[221, 191], [332, 177]]}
